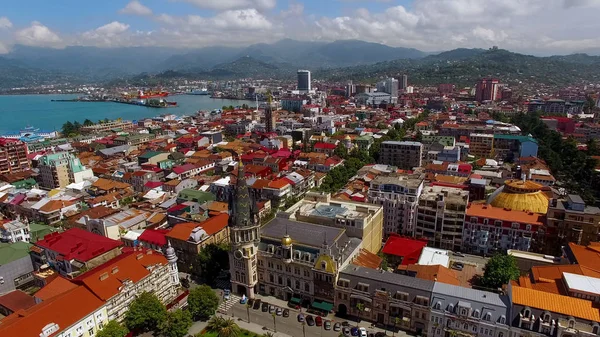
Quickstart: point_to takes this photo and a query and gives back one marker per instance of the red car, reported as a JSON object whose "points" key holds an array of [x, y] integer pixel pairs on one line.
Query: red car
{"points": [[319, 320]]}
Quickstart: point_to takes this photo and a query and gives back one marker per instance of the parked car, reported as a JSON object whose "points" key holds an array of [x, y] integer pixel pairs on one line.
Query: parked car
{"points": [[278, 311], [345, 324], [256, 304], [243, 300], [363, 332], [458, 266], [354, 331], [458, 254], [227, 294], [300, 318], [327, 325], [286, 312], [310, 320], [271, 309], [346, 331], [265, 307], [337, 326], [318, 320]]}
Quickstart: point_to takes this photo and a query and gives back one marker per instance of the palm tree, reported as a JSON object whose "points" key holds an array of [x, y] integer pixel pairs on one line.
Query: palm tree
{"points": [[360, 307], [396, 321], [229, 329], [268, 334], [215, 323]]}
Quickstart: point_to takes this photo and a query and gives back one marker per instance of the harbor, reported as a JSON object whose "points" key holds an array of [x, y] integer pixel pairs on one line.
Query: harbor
{"points": [[149, 103]]}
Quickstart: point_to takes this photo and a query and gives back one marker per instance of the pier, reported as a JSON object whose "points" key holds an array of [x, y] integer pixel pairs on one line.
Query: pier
{"points": [[160, 105]]}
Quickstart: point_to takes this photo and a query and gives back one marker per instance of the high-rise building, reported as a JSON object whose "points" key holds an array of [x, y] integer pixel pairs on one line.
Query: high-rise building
{"points": [[58, 170], [244, 227], [13, 156], [304, 80], [404, 155], [487, 89], [404, 82], [269, 116]]}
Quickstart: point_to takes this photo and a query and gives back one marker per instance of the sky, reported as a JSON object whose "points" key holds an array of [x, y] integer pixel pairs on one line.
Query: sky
{"points": [[540, 27]]}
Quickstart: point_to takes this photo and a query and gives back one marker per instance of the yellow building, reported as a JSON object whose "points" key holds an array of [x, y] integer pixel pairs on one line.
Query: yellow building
{"points": [[481, 145], [520, 195]]}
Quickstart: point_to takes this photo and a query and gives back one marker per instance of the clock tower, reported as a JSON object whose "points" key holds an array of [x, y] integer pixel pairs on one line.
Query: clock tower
{"points": [[244, 229]]}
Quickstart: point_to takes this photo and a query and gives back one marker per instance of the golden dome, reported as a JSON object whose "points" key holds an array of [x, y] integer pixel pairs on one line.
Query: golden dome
{"points": [[286, 240], [521, 196]]}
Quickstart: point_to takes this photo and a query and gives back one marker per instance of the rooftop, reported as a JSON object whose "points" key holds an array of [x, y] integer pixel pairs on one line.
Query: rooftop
{"points": [[504, 214], [407, 248], [10, 252], [78, 244], [301, 232], [565, 305]]}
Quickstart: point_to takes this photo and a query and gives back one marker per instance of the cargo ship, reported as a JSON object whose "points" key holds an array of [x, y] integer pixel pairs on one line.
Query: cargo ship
{"points": [[201, 92]]}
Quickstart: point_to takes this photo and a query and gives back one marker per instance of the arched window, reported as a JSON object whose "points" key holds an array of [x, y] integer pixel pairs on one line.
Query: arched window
{"points": [[451, 308], [595, 328], [297, 284], [502, 319], [500, 334], [438, 305], [476, 313], [571, 323], [488, 316], [526, 313], [546, 317]]}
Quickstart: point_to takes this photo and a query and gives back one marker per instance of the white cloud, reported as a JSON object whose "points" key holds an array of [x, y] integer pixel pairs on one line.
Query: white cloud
{"points": [[136, 8], [233, 4], [112, 28], [110, 35], [38, 35], [5, 23]]}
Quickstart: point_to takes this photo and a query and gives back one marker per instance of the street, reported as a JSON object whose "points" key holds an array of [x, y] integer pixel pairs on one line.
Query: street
{"points": [[288, 325]]}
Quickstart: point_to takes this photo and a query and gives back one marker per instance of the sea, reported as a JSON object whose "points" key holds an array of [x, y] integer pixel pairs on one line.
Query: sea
{"points": [[38, 111]]}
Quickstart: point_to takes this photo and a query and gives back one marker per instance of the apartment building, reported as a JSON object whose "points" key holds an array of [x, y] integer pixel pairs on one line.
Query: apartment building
{"points": [[441, 215], [481, 145], [13, 156], [511, 147], [572, 220], [119, 281], [405, 155], [58, 170], [385, 296], [460, 311], [360, 220], [490, 229], [108, 126], [399, 196]]}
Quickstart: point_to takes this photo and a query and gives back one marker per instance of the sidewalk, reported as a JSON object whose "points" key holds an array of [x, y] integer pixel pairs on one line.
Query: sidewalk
{"points": [[275, 301], [253, 327]]}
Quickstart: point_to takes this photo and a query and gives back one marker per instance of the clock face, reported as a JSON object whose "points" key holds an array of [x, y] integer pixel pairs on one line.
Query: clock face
{"points": [[238, 254]]}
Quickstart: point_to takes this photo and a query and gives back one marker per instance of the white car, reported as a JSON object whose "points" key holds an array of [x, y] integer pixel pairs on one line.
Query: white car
{"points": [[363, 332]]}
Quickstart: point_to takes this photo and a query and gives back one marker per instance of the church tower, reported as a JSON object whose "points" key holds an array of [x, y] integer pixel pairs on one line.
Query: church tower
{"points": [[173, 270], [269, 117], [244, 228]]}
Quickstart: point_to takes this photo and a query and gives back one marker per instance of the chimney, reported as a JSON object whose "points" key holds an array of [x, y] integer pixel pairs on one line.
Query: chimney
{"points": [[103, 276], [115, 270]]}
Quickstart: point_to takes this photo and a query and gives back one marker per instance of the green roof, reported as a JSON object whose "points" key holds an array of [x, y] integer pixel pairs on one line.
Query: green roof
{"points": [[149, 154], [515, 137], [38, 231], [10, 252], [196, 195], [26, 183]]}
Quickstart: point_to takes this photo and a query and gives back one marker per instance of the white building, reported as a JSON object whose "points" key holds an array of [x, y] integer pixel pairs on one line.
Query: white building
{"points": [[14, 231]]}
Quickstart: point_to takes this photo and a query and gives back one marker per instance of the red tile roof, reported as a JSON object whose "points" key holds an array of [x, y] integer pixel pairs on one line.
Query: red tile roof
{"points": [[154, 236], [56, 287], [78, 244], [327, 146], [183, 168], [211, 226], [106, 280], [409, 249], [63, 310], [16, 300]]}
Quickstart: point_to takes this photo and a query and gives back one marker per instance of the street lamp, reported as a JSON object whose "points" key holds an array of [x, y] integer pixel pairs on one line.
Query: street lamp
{"points": [[303, 328], [248, 311], [274, 324]]}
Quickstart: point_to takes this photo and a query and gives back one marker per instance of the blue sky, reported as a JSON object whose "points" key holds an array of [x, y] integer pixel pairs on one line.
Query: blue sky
{"points": [[430, 25]]}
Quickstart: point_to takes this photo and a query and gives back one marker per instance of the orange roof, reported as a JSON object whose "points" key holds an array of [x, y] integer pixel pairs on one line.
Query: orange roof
{"points": [[491, 212], [16, 300], [279, 183], [367, 259], [218, 206], [587, 256], [63, 310], [173, 182], [261, 183], [565, 305], [55, 205], [108, 184], [56, 287], [434, 273], [211, 226], [106, 280]]}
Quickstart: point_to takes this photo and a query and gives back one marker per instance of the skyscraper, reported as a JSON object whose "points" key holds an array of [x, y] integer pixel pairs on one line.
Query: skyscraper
{"points": [[244, 227], [303, 80], [404, 82], [390, 86], [269, 117]]}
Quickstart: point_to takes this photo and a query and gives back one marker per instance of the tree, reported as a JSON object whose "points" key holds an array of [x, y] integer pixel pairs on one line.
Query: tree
{"points": [[67, 129], [500, 270], [274, 322], [176, 324], [202, 302], [341, 150], [211, 260], [228, 328], [113, 329], [88, 122], [215, 323], [360, 307], [146, 313]]}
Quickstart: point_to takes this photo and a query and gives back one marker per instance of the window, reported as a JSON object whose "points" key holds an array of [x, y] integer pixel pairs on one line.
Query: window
{"points": [[526, 313], [297, 284], [306, 287], [546, 318], [488, 317], [595, 329], [476, 313], [502, 320], [91, 331], [438, 305], [500, 334], [571, 323]]}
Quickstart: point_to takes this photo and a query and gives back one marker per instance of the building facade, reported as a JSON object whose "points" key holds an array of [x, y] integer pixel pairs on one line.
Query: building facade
{"points": [[404, 155], [441, 215], [399, 196], [573, 221], [304, 80], [13, 156], [481, 145]]}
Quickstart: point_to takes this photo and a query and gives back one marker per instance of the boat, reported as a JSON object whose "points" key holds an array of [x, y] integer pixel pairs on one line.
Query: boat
{"points": [[202, 92], [152, 94]]}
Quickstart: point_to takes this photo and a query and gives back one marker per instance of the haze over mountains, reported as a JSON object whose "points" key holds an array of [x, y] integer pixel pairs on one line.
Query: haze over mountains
{"points": [[25, 66]]}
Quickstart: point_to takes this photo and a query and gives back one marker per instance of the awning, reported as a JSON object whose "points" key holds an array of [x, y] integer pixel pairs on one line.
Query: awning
{"points": [[364, 298], [295, 300], [323, 306]]}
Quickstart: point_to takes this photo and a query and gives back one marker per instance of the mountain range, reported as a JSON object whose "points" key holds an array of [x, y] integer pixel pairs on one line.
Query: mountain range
{"points": [[338, 60]]}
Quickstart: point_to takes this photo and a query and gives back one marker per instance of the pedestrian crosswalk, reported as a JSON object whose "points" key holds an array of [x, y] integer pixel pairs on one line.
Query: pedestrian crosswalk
{"points": [[225, 305]]}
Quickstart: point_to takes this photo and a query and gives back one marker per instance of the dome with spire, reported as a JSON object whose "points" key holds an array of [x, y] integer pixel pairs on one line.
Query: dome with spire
{"points": [[286, 240], [170, 252]]}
